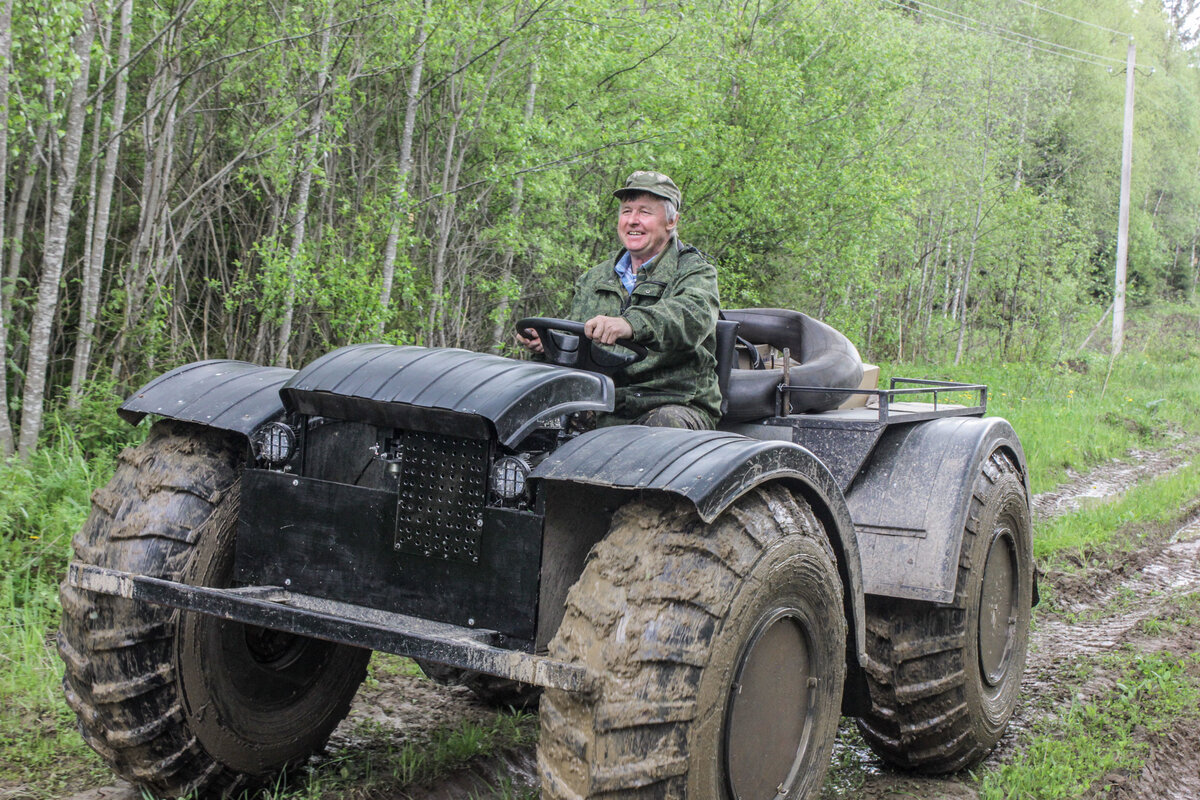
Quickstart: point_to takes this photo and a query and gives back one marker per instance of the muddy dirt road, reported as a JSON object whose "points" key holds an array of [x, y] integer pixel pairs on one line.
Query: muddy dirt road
{"points": [[1089, 611]]}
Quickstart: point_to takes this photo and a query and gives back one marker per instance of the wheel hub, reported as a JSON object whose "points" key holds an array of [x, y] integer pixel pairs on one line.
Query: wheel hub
{"points": [[998, 607], [768, 720]]}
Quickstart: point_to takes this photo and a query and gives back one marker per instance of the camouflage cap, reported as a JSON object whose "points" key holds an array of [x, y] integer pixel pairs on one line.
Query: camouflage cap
{"points": [[652, 183]]}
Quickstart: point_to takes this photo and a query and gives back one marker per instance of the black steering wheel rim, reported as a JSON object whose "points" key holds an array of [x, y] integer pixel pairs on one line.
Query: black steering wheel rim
{"points": [[561, 339]]}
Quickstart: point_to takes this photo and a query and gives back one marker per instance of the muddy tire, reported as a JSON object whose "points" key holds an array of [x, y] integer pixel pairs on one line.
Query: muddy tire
{"points": [[178, 702], [945, 679], [720, 650], [494, 691]]}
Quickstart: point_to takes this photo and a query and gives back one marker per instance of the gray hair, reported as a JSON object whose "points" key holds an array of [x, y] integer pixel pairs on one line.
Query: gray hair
{"points": [[672, 210], [669, 207]]}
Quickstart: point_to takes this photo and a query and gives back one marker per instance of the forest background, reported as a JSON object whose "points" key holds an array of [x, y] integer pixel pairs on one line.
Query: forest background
{"points": [[261, 180]]}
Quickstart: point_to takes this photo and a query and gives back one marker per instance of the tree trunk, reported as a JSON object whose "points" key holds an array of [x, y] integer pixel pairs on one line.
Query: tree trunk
{"points": [[94, 267], [412, 102], [500, 329], [983, 173], [146, 248], [312, 154], [54, 250], [6, 431]]}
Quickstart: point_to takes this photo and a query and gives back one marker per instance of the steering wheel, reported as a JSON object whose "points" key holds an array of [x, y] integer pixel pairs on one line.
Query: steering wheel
{"points": [[561, 339]]}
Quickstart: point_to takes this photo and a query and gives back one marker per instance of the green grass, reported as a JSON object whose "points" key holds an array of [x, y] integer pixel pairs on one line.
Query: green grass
{"points": [[44, 501], [1151, 508], [1074, 413], [1072, 752]]}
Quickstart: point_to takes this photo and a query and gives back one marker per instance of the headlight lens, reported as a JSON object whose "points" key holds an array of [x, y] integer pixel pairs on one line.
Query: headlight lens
{"points": [[273, 443], [508, 477]]}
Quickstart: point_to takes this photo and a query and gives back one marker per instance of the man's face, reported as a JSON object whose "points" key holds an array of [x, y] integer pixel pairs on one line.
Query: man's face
{"points": [[642, 226]]}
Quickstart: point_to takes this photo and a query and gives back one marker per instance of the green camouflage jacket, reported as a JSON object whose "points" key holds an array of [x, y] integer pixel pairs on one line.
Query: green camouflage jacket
{"points": [[673, 312]]}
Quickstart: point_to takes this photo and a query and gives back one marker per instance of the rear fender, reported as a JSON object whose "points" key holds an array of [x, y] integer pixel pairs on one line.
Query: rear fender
{"points": [[228, 395], [910, 502], [712, 469]]}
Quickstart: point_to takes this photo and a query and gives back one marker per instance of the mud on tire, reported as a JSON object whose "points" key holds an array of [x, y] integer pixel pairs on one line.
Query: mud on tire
{"points": [[692, 630], [944, 680], [179, 702]]}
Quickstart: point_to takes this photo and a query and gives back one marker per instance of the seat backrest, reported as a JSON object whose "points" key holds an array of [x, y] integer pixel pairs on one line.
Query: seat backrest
{"points": [[821, 358], [726, 356]]}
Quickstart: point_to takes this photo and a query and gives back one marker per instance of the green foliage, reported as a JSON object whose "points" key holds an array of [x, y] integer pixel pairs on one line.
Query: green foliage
{"points": [[45, 500]]}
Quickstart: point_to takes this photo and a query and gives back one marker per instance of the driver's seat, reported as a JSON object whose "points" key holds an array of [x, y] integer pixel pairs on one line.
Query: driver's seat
{"points": [[727, 330], [821, 357]]}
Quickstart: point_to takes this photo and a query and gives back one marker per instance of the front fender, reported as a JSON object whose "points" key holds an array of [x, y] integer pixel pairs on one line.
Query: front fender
{"points": [[712, 469], [911, 499], [229, 395]]}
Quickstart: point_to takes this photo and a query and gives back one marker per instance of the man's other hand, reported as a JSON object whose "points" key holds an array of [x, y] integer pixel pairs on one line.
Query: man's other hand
{"points": [[533, 343], [606, 330]]}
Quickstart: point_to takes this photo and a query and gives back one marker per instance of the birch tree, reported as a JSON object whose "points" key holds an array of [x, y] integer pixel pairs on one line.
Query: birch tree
{"points": [[6, 431], [54, 249], [100, 203]]}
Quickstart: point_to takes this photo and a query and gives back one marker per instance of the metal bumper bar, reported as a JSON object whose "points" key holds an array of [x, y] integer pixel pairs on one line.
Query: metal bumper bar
{"points": [[273, 607]]}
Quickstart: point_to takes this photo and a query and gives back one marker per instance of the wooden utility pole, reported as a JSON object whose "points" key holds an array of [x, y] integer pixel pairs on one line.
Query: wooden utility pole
{"points": [[1118, 333]]}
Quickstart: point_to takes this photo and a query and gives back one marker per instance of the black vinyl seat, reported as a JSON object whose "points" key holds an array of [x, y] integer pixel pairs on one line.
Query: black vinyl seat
{"points": [[826, 359]]}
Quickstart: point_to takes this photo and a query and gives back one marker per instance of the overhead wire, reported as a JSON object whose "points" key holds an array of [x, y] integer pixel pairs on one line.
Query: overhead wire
{"points": [[1036, 7], [979, 26]]}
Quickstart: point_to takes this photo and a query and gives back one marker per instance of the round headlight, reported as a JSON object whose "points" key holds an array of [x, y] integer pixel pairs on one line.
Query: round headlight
{"points": [[508, 477], [273, 443]]}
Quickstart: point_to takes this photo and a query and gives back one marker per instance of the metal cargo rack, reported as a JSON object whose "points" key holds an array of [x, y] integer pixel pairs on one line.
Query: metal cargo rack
{"points": [[844, 438]]}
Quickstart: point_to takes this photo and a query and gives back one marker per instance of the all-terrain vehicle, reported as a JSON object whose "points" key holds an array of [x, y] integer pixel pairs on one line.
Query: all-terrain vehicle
{"points": [[697, 610]]}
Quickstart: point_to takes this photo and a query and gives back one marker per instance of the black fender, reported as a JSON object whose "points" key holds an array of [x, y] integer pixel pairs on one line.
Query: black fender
{"points": [[911, 498], [229, 395], [712, 469]]}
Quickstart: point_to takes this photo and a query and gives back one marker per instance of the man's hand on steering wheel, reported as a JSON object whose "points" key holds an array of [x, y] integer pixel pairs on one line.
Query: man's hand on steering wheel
{"points": [[606, 330], [531, 342], [571, 344]]}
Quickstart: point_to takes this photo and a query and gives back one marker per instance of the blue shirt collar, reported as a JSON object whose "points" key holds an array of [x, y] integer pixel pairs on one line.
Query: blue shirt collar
{"points": [[624, 270]]}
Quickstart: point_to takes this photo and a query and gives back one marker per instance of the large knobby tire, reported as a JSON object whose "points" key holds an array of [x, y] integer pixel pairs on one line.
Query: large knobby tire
{"points": [[944, 679], [179, 702], [720, 651], [499, 692]]}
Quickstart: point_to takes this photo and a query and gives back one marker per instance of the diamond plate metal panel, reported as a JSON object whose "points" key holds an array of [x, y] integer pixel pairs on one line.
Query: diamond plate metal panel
{"points": [[443, 487]]}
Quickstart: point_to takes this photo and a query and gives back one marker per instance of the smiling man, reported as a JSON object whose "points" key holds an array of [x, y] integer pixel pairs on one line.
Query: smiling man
{"points": [[661, 294]]}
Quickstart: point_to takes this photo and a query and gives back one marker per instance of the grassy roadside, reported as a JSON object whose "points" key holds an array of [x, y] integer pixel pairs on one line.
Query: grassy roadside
{"points": [[1072, 414], [1082, 410], [1097, 743]]}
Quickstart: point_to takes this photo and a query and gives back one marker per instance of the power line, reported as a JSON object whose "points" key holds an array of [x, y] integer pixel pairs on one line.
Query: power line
{"points": [[1036, 7], [978, 26], [1023, 36]]}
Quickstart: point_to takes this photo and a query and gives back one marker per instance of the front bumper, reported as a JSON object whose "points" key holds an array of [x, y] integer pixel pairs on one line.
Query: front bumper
{"points": [[276, 608]]}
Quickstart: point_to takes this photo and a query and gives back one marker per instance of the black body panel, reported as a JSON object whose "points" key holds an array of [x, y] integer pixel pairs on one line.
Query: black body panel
{"points": [[230, 395], [911, 500], [338, 542], [443, 390]]}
